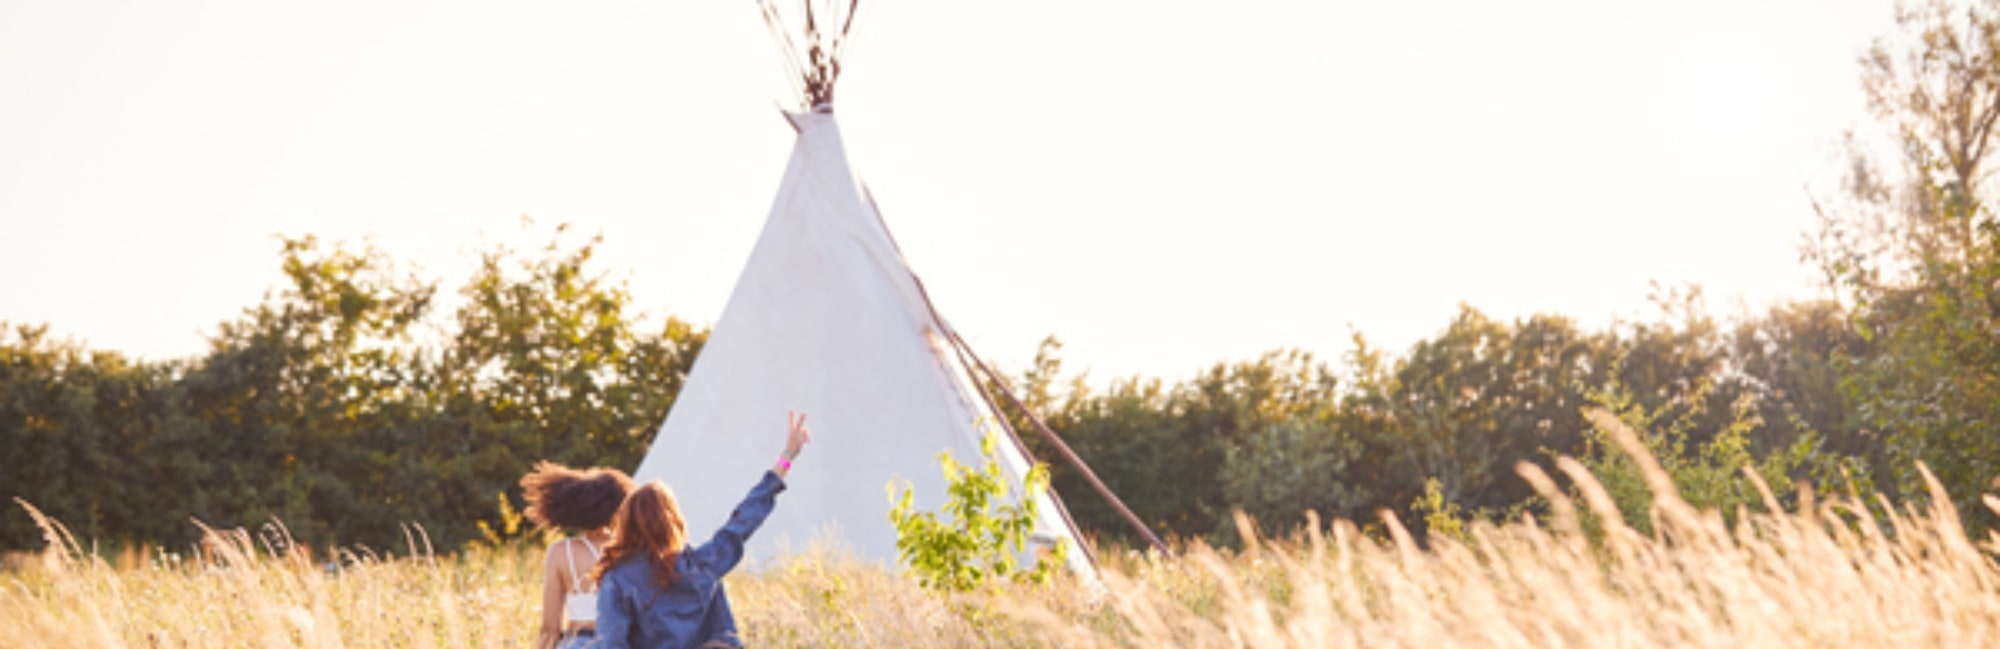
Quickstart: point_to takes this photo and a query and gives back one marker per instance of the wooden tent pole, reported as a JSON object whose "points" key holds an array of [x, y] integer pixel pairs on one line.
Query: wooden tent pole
{"points": [[1063, 448], [958, 344], [964, 354]]}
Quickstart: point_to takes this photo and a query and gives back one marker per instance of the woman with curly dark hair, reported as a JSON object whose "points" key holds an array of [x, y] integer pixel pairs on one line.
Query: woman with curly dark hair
{"points": [[662, 592], [580, 504]]}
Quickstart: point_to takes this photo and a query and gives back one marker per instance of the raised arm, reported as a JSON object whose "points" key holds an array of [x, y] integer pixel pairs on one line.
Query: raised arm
{"points": [[725, 550]]}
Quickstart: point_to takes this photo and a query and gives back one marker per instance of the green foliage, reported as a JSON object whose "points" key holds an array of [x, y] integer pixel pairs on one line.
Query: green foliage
{"points": [[513, 528], [1441, 427], [545, 363], [1466, 405], [1706, 466], [978, 540], [1915, 248], [323, 408], [1440, 517], [299, 400], [1145, 439], [317, 408], [1301, 464], [86, 434]]}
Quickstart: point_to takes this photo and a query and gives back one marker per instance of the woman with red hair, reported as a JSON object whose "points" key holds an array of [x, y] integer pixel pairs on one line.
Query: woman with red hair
{"points": [[656, 592]]}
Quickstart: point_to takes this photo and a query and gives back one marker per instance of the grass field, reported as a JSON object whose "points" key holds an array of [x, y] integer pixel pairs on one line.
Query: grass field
{"points": [[1829, 574]]}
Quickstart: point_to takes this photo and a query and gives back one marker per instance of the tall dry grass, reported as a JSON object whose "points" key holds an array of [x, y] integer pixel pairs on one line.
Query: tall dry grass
{"points": [[236, 590], [1836, 573], [1831, 573]]}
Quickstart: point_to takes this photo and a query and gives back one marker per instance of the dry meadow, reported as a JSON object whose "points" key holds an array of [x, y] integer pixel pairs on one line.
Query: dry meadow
{"points": [[1834, 572]]}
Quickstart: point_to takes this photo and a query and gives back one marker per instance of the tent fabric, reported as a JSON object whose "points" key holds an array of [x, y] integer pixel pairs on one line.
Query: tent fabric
{"points": [[827, 319]]}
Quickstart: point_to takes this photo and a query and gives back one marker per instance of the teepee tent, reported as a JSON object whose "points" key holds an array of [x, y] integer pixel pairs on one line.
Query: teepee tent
{"points": [[826, 318]]}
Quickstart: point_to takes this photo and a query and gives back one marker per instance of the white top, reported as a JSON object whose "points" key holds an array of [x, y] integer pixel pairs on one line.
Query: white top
{"points": [[580, 605]]}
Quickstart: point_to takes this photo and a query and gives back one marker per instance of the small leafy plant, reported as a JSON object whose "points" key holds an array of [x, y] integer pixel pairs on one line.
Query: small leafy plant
{"points": [[982, 534]]}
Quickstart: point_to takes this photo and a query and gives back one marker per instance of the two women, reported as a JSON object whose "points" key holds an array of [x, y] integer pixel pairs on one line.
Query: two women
{"points": [[654, 589]]}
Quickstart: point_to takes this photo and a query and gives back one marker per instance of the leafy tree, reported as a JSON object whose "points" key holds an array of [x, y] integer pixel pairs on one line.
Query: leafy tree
{"points": [[1483, 395], [80, 436], [1304, 463], [294, 409], [1913, 247], [1792, 359], [546, 363]]}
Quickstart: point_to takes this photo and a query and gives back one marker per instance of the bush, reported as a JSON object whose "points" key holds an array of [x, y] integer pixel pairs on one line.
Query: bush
{"points": [[984, 535]]}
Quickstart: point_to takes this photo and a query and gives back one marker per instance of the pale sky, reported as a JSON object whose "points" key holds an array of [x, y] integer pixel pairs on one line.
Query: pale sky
{"points": [[1161, 184]]}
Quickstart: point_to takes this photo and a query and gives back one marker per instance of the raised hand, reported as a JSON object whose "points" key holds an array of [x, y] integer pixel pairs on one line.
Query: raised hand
{"points": [[797, 435]]}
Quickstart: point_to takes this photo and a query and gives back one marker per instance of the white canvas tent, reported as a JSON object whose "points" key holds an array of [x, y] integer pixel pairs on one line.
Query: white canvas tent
{"points": [[827, 319]]}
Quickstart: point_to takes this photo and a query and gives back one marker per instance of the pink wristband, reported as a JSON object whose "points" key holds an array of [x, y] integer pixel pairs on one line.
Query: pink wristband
{"points": [[785, 462]]}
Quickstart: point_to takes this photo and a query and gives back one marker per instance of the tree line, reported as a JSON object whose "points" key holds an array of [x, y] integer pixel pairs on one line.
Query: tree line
{"points": [[1445, 424], [327, 408], [318, 407]]}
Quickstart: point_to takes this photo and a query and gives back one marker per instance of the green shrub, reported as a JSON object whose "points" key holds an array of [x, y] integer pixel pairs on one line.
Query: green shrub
{"points": [[978, 540]]}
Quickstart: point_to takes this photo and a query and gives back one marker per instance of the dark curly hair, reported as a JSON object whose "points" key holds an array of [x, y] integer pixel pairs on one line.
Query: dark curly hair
{"points": [[575, 500]]}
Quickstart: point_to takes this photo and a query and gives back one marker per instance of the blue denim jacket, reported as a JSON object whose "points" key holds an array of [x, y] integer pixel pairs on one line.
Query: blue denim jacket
{"points": [[632, 611]]}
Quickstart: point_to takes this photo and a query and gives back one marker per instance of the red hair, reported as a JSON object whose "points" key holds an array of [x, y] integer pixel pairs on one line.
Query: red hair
{"points": [[648, 525]]}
